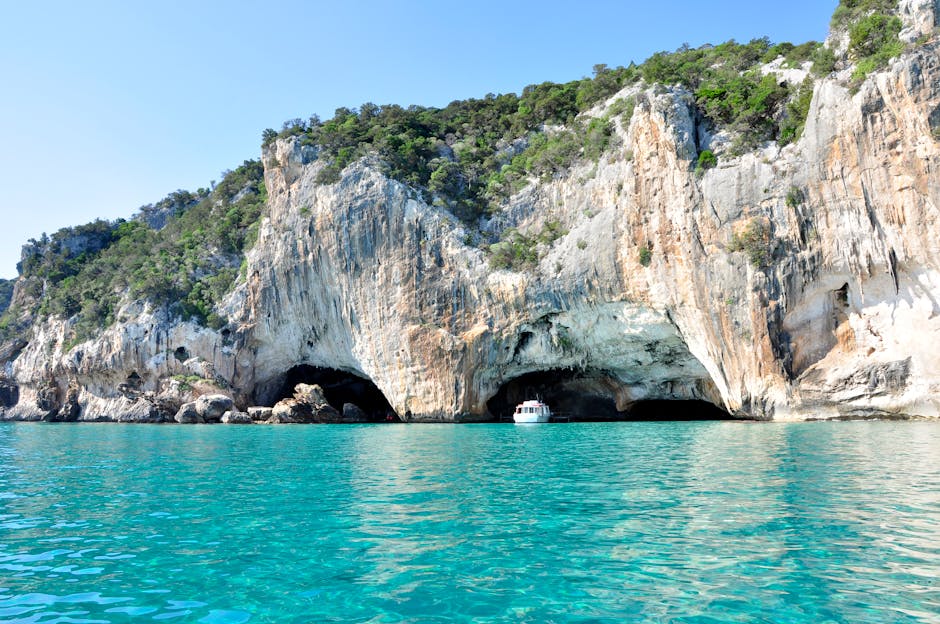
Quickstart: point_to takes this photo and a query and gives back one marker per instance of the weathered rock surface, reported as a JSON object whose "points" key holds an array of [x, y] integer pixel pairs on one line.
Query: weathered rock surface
{"points": [[290, 411], [646, 297], [205, 409], [71, 409], [236, 418], [259, 414], [212, 407], [308, 405], [282, 417], [353, 414], [189, 415]]}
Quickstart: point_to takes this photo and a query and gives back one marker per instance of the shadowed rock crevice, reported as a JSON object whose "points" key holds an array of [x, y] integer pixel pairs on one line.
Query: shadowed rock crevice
{"points": [[9, 393], [676, 410], [339, 388]]}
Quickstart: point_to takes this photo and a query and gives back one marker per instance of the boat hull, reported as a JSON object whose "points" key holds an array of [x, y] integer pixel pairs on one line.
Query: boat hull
{"points": [[528, 419]]}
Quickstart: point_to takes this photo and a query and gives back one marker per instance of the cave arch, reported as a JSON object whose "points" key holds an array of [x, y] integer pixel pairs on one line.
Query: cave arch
{"points": [[339, 387], [591, 395], [584, 395]]}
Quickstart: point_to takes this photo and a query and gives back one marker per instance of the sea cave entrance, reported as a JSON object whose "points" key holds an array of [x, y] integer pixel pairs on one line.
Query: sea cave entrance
{"points": [[582, 395], [591, 396], [676, 409], [339, 388], [9, 393]]}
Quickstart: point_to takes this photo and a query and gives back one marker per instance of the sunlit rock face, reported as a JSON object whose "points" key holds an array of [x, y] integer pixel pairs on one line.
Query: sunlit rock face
{"points": [[647, 296], [363, 276]]}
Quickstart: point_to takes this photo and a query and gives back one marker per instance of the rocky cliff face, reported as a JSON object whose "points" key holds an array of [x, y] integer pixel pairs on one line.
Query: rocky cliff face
{"points": [[789, 283]]}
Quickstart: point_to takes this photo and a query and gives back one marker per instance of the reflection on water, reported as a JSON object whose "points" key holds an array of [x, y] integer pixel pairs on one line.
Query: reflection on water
{"points": [[612, 522]]}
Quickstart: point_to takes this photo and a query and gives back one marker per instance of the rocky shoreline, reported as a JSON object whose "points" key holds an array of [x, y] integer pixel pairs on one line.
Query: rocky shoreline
{"points": [[308, 405]]}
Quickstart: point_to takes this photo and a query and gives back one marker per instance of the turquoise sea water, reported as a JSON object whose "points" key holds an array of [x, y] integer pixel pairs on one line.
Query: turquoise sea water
{"points": [[608, 522]]}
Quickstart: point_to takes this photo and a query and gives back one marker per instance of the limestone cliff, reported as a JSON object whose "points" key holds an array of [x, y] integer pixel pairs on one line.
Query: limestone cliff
{"points": [[786, 283]]}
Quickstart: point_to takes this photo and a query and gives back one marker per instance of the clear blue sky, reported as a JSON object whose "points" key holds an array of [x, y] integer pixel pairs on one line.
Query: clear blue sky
{"points": [[109, 105]]}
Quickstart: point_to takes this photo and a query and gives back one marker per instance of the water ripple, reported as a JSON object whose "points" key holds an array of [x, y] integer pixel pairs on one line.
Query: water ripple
{"points": [[644, 522]]}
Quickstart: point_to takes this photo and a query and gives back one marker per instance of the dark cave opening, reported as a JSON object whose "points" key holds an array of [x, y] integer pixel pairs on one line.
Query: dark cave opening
{"points": [[9, 393], [339, 388], [677, 409], [590, 396], [581, 395]]}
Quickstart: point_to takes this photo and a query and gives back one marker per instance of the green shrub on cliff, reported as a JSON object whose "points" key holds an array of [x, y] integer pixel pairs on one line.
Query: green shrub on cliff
{"points": [[706, 161], [874, 35], [850, 11], [756, 241], [606, 82], [873, 41], [518, 251], [693, 67], [6, 294], [729, 87], [470, 154], [824, 61], [514, 251], [797, 110], [793, 55], [873, 28], [61, 255], [795, 197], [83, 273]]}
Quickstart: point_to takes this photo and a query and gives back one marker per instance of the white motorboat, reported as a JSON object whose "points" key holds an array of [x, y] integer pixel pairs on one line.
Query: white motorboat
{"points": [[532, 412]]}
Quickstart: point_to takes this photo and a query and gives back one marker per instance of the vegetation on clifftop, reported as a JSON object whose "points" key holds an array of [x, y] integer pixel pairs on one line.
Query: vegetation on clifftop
{"points": [[731, 90], [850, 11], [185, 251], [82, 273], [873, 28], [471, 153]]}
